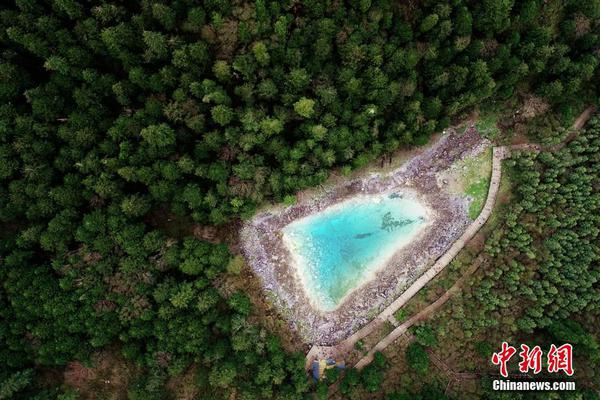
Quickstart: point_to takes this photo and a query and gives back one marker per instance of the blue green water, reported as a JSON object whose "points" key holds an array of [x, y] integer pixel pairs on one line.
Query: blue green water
{"points": [[341, 247]]}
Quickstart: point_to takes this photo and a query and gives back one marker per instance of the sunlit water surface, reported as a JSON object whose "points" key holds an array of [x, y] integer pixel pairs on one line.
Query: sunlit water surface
{"points": [[341, 247]]}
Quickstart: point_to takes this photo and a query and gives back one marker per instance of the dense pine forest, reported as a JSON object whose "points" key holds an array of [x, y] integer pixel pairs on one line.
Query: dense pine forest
{"points": [[117, 117]]}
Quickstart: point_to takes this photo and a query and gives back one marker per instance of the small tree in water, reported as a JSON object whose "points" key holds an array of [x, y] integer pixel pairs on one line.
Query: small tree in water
{"points": [[389, 223]]}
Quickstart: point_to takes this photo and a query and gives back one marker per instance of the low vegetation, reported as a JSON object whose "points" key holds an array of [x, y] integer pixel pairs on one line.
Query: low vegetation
{"points": [[478, 193], [470, 177]]}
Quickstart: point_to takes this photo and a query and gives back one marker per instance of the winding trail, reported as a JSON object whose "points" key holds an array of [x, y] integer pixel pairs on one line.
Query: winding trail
{"points": [[581, 121], [420, 316], [345, 346]]}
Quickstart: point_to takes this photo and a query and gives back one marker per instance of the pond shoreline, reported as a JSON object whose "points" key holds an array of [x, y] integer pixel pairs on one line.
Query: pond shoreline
{"points": [[271, 261], [301, 265]]}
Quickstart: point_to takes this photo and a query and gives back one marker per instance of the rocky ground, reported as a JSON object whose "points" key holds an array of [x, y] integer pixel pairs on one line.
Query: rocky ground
{"points": [[266, 254]]}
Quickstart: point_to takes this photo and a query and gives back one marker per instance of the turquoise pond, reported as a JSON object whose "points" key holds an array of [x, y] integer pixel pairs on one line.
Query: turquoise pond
{"points": [[343, 246]]}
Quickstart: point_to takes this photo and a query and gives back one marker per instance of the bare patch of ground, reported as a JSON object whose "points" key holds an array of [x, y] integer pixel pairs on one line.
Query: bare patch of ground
{"points": [[109, 375], [470, 177], [532, 107], [184, 387]]}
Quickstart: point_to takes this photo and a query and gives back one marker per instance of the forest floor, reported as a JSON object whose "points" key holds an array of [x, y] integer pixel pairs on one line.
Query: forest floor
{"points": [[109, 374]]}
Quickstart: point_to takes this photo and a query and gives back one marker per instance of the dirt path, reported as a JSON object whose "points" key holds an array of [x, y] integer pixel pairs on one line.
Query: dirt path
{"points": [[420, 316], [583, 119]]}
